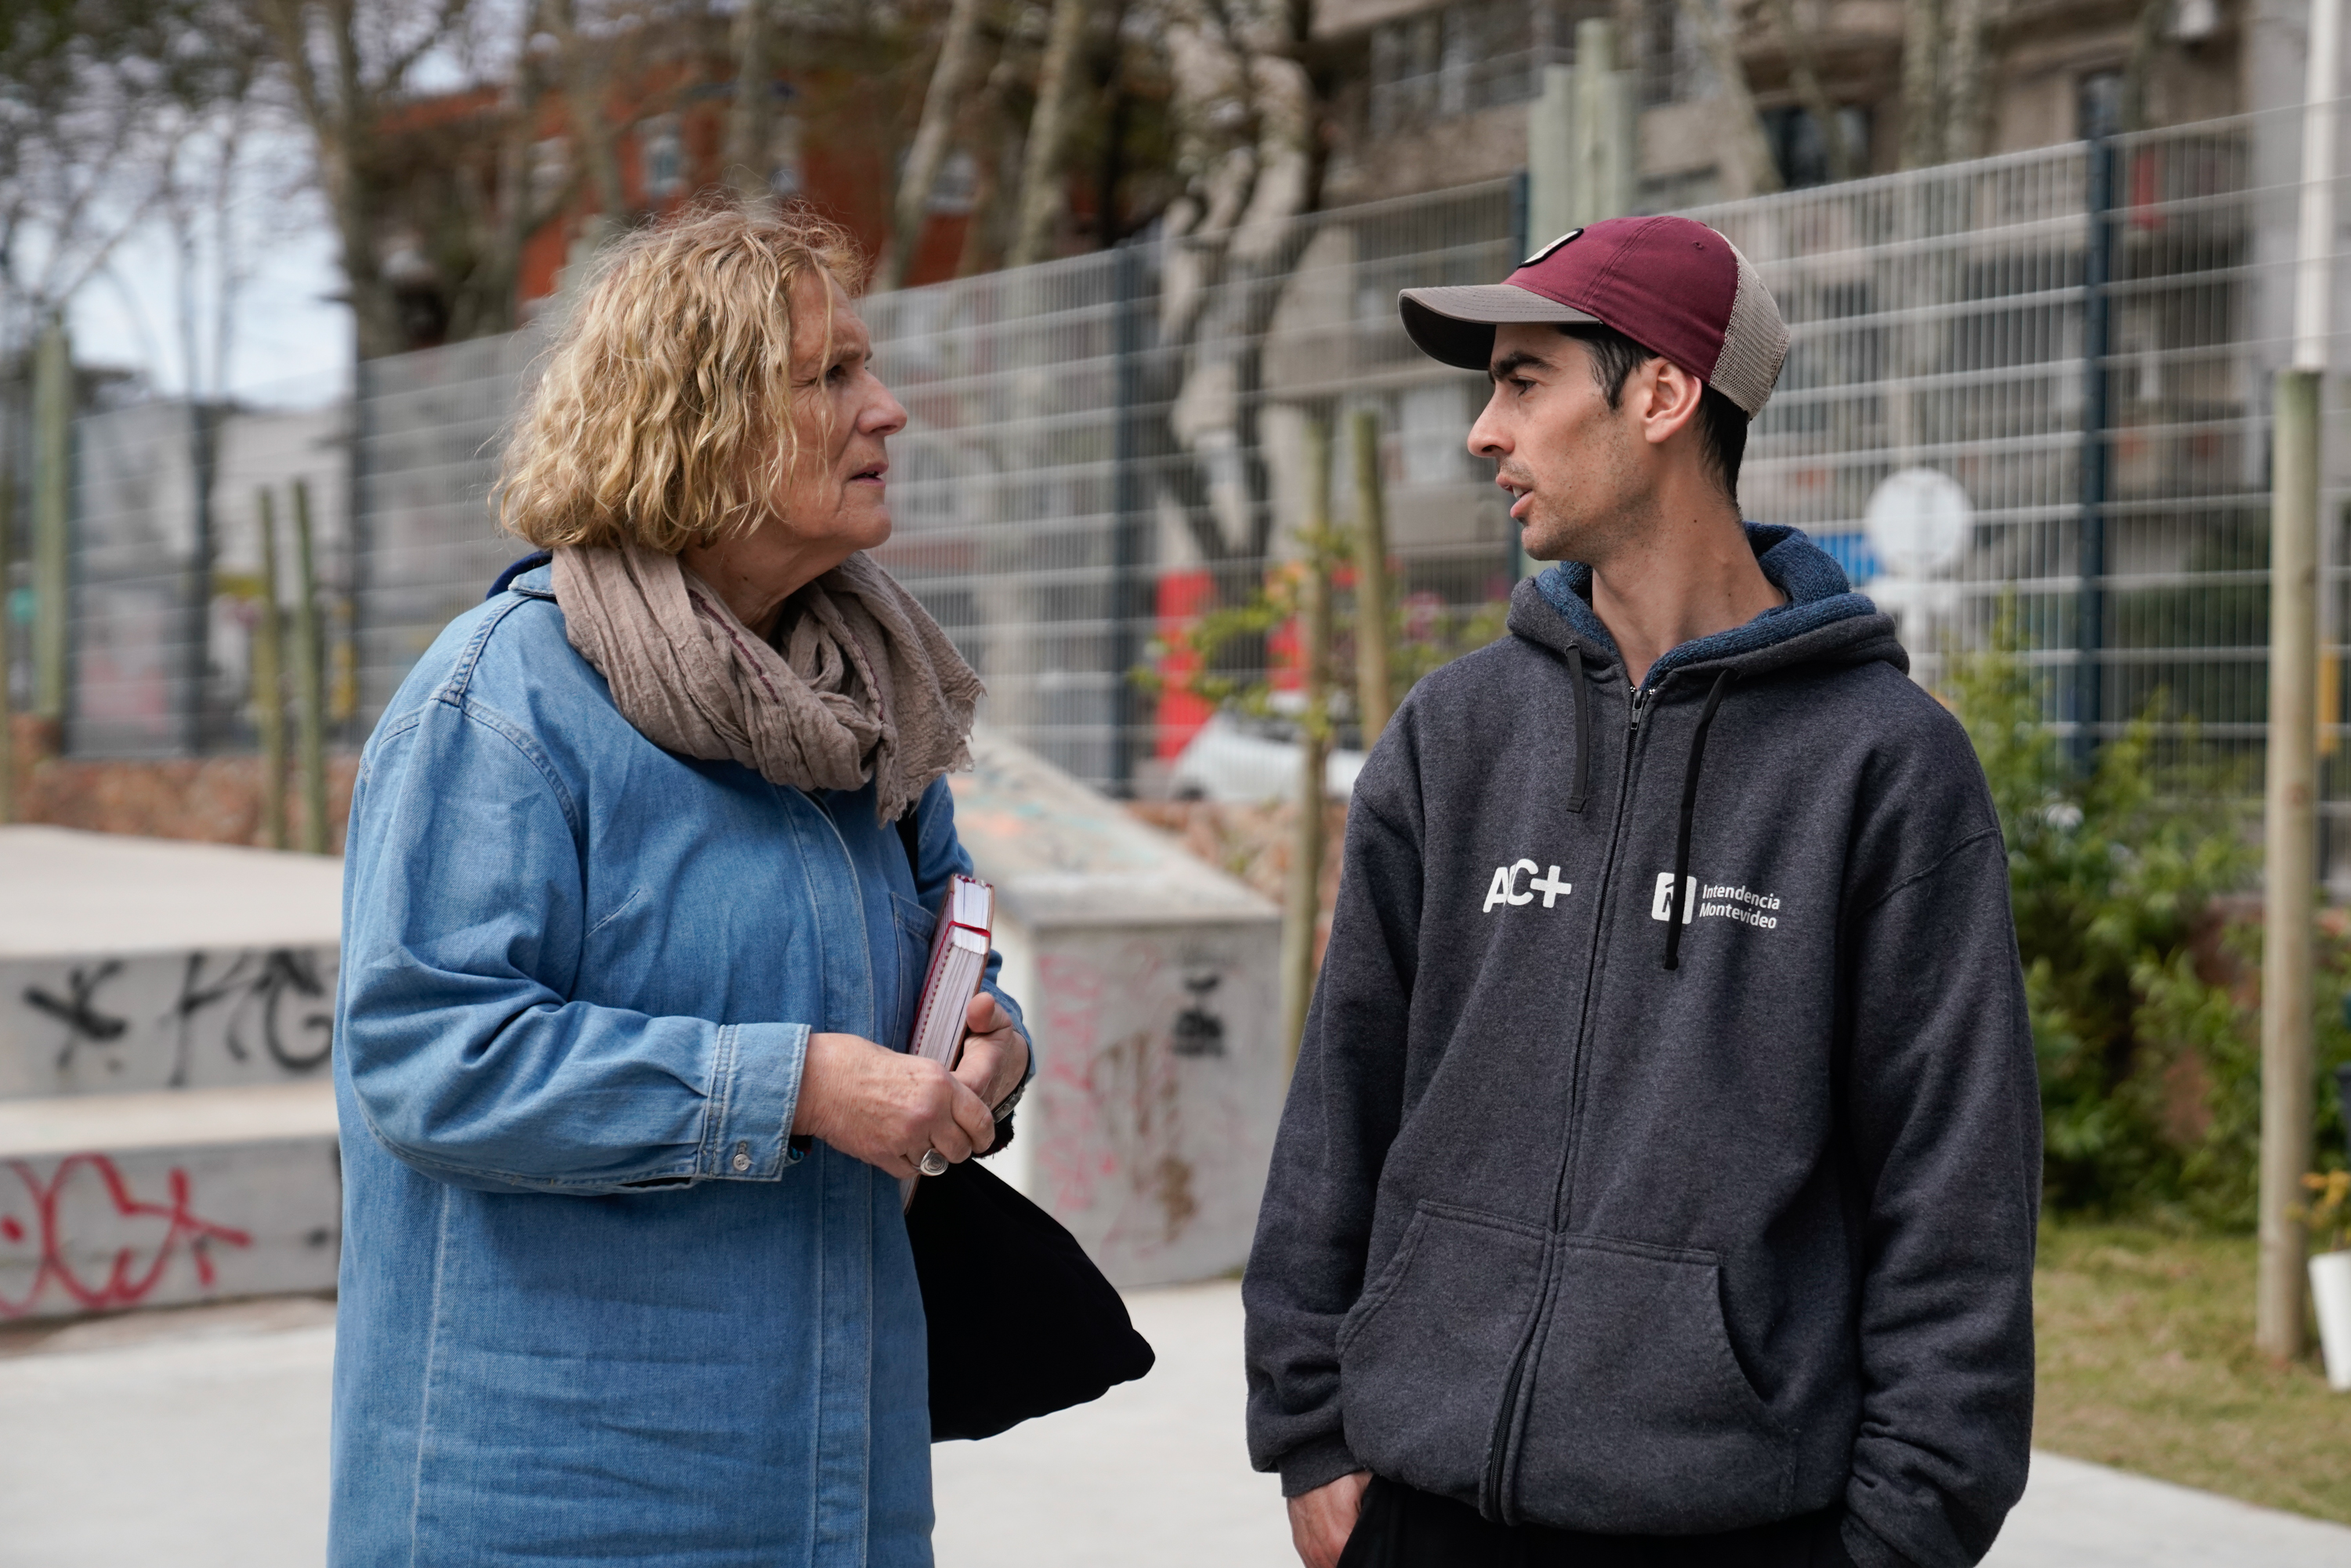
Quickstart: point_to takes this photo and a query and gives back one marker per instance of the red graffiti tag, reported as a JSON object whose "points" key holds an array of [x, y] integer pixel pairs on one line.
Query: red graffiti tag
{"points": [[125, 1285]]}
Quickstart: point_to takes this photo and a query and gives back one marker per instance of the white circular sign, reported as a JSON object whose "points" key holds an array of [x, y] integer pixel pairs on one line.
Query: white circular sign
{"points": [[1917, 522]]}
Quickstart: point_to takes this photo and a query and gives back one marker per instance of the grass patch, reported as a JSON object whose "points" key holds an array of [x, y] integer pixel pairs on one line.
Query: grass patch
{"points": [[2146, 1364]]}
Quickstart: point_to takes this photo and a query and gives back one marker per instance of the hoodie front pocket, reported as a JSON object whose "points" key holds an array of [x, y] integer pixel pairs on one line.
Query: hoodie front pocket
{"points": [[1425, 1356], [1639, 1419]]}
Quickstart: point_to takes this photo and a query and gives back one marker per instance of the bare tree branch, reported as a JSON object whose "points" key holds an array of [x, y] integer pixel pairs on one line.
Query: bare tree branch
{"points": [[1041, 192], [958, 51]]}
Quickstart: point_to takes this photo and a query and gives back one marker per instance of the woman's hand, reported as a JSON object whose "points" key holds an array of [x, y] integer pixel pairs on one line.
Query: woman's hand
{"points": [[885, 1107], [995, 1056]]}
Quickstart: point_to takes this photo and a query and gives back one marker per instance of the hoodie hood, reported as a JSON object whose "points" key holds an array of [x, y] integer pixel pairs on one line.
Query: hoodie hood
{"points": [[1824, 620]]}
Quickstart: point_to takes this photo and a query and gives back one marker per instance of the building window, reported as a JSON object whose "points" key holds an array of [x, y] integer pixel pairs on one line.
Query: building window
{"points": [[784, 174], [2098, 105], [1670, 57], [1799, 150], [661, 149], [1461, 57], [956, 190], [550, 171]]}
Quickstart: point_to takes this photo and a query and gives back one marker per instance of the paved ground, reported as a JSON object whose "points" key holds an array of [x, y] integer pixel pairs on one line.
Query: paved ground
{"points": [[198, 1440]]}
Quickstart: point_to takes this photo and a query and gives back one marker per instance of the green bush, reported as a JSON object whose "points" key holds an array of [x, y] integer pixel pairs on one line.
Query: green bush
{"points": [[2115, 870]]}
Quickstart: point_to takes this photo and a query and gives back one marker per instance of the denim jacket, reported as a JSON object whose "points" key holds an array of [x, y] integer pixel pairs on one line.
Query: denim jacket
{"points": [[598, 1306]]}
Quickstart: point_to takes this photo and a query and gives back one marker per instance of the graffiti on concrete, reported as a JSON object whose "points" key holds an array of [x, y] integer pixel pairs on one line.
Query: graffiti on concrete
{"points": [[250, 993], [93, 1238], [77, 1010], [1130, 1122], [1199, 1032], [171, 1022]]}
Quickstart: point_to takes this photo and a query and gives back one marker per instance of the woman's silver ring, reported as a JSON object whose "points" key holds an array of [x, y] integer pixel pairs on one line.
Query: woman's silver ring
{"points": [[932, 1163]]}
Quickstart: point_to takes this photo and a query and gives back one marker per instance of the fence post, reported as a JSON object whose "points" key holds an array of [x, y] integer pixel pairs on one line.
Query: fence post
{"points": [[1126, 520], [1375, 700], [310, 685], [1515, 562], [8, 630], [269, 680], [1301, 917], [52, 501], [1546, 194], [1606, 121], [2090, 612]]}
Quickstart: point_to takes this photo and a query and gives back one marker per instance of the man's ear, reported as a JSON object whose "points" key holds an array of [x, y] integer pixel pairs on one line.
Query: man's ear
{"points": [[1667, 399]]}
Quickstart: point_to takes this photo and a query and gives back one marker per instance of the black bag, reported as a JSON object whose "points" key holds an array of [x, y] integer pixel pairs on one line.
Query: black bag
{"points": [[1021, 1322]]}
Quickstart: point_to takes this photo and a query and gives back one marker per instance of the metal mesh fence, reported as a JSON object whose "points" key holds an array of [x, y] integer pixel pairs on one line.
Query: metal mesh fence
{"points": [[2080, 341], [2047, 373]]}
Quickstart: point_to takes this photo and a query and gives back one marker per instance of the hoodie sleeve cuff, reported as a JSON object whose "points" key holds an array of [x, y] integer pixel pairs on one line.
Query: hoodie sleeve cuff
{"points": [[1316, 1464]]}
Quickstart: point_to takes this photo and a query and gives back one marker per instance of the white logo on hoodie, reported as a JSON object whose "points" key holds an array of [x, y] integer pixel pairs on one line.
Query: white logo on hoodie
{"points": [[1719, 901], [1504, 888]]}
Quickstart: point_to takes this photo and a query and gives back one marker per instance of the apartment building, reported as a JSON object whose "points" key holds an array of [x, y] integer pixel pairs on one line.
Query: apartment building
{"points": [[1438, 92]]}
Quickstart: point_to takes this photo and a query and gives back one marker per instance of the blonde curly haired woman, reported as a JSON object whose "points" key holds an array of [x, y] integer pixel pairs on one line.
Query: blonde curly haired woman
{"points": [[631, 923]]}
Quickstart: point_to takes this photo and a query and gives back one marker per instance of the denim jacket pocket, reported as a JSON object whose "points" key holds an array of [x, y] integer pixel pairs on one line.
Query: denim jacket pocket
{"points": [[916, 926], [1638, 1418], [1426, 1353]]}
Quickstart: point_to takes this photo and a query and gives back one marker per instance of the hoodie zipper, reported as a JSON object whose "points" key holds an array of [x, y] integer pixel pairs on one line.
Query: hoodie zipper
{"points": [[1497, 1449]]}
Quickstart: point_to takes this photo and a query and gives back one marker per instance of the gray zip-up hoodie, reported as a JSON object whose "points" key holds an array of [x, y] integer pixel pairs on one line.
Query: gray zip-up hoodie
{"points": [[1598, 1219]]}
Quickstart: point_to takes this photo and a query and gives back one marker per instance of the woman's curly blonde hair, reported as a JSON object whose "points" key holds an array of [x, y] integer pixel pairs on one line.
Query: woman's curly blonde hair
{"points": [[663, 416]]}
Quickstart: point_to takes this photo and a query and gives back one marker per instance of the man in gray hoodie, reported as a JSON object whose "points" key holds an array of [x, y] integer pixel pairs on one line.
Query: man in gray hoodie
{"points": [[1659, 1179]]}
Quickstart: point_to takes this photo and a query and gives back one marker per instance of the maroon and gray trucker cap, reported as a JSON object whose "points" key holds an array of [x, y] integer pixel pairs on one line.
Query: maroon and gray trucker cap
{"points": [[1674, 286]]}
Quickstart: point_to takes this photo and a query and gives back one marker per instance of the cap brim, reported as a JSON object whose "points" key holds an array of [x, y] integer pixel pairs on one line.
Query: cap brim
{"points": [[1456, 324]]}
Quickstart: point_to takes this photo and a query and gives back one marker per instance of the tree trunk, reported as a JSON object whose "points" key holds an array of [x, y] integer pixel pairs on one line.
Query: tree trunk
{"points": [[342, 108], [747, 114], [1806, 80], [1965, 112], [1745, 130], [2147, 37], [587, 94], [1041, 195], [958, 48], [1922, 98]]}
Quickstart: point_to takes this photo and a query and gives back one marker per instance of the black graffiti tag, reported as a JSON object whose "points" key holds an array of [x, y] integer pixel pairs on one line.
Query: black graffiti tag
{"points": [[253, 988], [78, 1011]]}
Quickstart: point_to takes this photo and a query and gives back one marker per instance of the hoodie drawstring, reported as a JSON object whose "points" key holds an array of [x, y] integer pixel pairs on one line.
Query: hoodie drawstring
{"points": [[1677, 909], [1575, 698]]}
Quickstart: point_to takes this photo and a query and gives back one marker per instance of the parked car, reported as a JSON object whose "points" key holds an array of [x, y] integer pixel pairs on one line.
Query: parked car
{"points": [[1239, 760]]}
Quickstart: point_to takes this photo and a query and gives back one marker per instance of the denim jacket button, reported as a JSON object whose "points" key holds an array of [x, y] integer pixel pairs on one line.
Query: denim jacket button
{"points": [[743, 1155]]}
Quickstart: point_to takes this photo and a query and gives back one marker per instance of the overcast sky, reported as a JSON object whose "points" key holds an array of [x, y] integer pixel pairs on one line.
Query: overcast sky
{"points": [[290, 342]]}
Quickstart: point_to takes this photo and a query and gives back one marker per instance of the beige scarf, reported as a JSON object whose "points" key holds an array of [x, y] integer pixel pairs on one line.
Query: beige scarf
{"points": [[866, 686]]}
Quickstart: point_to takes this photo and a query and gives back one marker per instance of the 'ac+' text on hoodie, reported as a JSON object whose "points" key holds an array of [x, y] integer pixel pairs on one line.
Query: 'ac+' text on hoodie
{"points": [[1664, 1152]]}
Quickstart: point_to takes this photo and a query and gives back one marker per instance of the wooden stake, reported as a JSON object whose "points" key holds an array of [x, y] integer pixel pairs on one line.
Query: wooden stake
{"points": [[1374, 699], [1301, 916], [2290, 867], [2290, 824], [52, 517], [310, 681], [269, 680]]}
